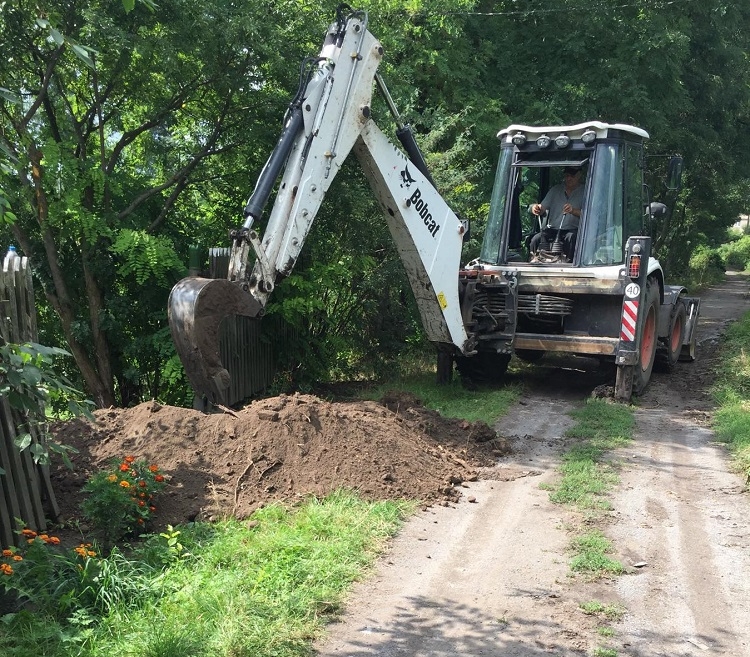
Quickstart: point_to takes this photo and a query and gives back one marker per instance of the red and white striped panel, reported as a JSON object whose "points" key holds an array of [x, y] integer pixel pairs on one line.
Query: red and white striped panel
{"points": [[629, 319]]}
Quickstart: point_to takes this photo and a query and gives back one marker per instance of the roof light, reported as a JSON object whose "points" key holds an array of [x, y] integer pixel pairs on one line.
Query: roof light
{"points": [[562, 141], [519, 139], [588, 137], [543, 142]]}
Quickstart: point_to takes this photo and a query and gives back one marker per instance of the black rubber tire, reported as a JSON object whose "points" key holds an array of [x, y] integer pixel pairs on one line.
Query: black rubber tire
{"points": [[530, 355], [482, 368], [648, 338], [676, 334]]}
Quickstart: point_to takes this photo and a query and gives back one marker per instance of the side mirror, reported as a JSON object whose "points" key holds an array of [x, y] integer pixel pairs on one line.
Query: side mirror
{"points": [[657, 209], [674, 174]]}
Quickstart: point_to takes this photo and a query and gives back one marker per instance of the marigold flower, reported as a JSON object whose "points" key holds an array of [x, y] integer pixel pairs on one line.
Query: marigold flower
{"points": [[153, 468], [91, 553], [6, 569], [124, 467], [158, 478], [141, 494], [44, 537], [141, 503], [54, 540], [7, 553], [125, 484], [112, 477], [28, 532], [17, 557], [142, 483], [140, 521], [30, 540], [129, 459], [152, 509]]}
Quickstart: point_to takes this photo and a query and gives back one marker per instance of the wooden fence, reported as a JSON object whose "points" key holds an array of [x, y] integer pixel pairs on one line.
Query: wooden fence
{"points": [[25, 488]]}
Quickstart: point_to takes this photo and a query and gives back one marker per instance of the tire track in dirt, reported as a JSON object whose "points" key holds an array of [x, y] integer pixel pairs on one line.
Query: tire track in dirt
{"points": [[492, 578]]}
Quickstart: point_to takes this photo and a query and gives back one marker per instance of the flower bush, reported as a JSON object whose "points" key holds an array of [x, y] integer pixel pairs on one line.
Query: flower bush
{"points": [[53, 579], [121, 499]]}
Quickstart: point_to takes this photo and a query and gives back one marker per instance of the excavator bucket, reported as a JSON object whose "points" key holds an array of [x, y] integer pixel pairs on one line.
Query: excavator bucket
{"points": [[196, 309]]}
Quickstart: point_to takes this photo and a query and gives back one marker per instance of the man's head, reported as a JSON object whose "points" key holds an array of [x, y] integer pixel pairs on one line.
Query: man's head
{"points": [[572, 176]]}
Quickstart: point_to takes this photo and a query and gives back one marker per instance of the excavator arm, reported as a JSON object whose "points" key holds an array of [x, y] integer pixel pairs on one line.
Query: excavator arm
{"points": [[329, 117]]}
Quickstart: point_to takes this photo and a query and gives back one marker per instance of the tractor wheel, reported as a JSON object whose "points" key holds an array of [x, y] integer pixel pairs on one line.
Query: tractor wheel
{"points": [[647, 339], [530, 355], [482, 368], [676, 335]]}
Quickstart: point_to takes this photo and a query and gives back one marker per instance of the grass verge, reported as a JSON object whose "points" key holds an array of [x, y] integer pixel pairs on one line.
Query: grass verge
{"points": [[231, 589], [453, 400], [732, 392]]}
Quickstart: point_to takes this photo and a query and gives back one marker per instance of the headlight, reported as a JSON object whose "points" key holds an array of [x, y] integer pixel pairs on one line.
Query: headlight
{"points": [[588, 137], [543, 141], [519, 139], [562, 141]]}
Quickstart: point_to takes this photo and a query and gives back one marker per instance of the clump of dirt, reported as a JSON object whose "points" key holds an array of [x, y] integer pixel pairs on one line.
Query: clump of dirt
{"points": [[280, 448]]}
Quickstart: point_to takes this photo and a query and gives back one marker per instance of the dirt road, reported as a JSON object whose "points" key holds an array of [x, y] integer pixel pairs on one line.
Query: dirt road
{"points": [[490, 575]]}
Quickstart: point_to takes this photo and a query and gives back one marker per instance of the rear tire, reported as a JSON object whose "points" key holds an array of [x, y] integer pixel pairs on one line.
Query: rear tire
{"points": [[673, 342], [647, 338], [482, 368], [530, 355]]}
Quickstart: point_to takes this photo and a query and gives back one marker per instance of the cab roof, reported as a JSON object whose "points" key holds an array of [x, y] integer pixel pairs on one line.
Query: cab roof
{"points": [[602, 130]]}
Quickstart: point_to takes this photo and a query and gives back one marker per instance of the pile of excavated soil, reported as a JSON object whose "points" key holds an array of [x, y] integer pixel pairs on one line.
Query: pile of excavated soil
{"points": [[278, 449]]}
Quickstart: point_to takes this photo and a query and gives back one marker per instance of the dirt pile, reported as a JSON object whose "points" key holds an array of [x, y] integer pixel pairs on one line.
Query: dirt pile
{"points": [[281, 448]]}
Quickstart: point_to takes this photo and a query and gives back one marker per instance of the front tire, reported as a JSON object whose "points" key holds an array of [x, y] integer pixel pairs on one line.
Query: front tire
{"points": [[483, 367]]}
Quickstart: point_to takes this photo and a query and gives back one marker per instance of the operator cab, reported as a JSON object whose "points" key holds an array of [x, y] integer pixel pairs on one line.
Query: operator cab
{"points": [[532, 161]]}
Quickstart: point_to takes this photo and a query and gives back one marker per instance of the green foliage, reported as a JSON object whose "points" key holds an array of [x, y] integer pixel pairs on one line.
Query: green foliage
{"points": [[30, 382], [148, 258], [736, 253], [732, 392], [52, 579], [257, 588], [121, 499], [706, 266]]}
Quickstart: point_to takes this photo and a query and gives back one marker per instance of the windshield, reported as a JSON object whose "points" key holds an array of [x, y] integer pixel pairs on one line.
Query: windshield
{"points": [[523, 180]]}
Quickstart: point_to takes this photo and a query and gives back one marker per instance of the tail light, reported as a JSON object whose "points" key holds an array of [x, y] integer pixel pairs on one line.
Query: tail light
{"points": [[634, 265]]}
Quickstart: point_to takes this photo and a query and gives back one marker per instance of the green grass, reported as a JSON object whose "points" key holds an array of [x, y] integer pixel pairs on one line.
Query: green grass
{"points": [[260, 589], [732, 392], [586, 476], [453, 400], [610, 612], [591, 557]]}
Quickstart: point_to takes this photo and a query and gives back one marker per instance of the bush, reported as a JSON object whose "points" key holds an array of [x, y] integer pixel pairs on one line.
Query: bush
{"points": [[121, 499], [736, 254], [706, 265]]}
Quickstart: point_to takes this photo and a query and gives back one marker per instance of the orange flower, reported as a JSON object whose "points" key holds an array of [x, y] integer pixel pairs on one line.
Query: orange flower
{"points": [[54, 540], [140, 521], [158, 478], [17, 557], [28, 532], [124, 467], [152, 509], [125, 484], [141, 494], [153, 468], [142, 483], [91, 553], [129, 459], [5, 569], [7, 553], [141, 503], [44, 537]]}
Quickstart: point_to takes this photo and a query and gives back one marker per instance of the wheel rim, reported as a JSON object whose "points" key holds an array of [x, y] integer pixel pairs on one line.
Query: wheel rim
{"points": [[675, 340], [648, 341]]}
